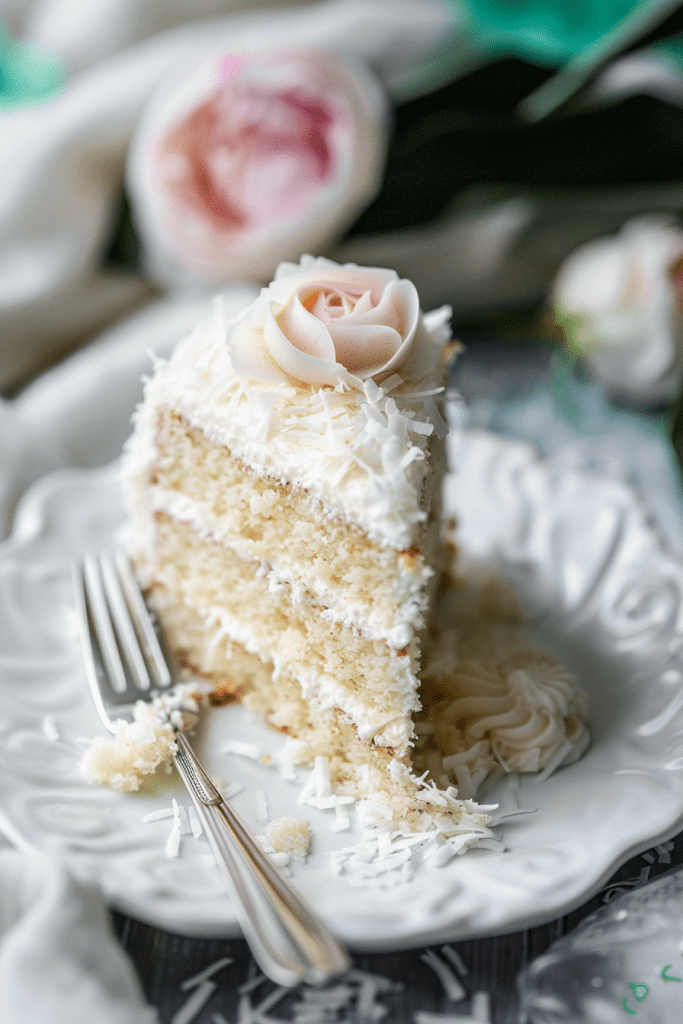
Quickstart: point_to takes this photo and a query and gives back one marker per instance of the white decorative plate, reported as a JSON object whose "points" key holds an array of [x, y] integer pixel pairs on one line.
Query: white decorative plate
{"points": [[602, 594]]}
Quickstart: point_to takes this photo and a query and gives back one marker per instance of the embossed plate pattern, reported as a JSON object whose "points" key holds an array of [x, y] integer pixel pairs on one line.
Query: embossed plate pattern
{"points": [[600, 591]]}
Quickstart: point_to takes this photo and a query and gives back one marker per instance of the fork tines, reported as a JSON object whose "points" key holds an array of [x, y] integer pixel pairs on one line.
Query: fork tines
{"points": [[114, 611]]}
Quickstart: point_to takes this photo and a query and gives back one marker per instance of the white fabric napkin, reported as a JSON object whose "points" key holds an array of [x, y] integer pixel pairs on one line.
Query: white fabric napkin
{"points": [[60, 962]]}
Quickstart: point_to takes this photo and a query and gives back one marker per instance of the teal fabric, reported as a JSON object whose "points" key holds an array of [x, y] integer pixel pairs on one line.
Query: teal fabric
{"points": [[27, 74], [547, 32]]}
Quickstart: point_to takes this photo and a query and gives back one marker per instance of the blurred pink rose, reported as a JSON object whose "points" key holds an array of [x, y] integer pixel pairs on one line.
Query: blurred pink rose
{"points": [[248, 160]]}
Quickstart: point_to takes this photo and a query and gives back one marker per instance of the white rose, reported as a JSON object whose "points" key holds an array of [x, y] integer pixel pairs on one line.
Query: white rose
{"points": [[320, 322], [618, 301], [247, 160]]}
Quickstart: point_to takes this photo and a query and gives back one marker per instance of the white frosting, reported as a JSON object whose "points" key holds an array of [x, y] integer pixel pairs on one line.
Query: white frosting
{"points": [[323, 691], [358, 446]]}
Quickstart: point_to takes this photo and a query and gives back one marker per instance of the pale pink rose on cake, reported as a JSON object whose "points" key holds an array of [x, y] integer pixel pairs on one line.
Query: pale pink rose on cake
{"points": [[320, 322], [248, 160]]}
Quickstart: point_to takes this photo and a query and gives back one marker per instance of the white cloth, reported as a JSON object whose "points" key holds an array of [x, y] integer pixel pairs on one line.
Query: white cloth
{"points": [[63, 160], [60, 962], [81, 34], [77, 415]]}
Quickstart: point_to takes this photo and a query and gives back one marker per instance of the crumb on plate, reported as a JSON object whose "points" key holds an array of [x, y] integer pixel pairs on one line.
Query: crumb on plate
{"points": [[290, 835]]}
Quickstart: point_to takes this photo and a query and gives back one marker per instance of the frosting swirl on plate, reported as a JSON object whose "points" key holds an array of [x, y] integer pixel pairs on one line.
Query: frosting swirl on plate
{"points": [[319, 323], [519, 711]]}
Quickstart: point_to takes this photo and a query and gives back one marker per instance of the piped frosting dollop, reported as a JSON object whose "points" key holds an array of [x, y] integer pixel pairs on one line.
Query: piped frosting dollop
{"points": [[319, 323]]}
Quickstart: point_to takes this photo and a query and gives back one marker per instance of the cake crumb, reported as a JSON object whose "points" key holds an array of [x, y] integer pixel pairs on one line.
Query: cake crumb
{"points": [[136, 749], [409, 560], [139, 747], [290, 835], [222, 695]]}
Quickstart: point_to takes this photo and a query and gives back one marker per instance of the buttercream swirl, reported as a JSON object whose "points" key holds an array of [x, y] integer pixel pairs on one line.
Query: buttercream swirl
{"points": [[521, 712], [319, 323]]}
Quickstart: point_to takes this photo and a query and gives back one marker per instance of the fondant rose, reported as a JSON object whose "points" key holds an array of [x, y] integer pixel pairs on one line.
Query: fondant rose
{"points": [[320, 322], [249, 160], [620, 302]]}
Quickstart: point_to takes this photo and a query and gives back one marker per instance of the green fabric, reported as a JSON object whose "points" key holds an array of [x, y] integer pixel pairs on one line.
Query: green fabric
{"points": [[27, 74], [548, 32]]}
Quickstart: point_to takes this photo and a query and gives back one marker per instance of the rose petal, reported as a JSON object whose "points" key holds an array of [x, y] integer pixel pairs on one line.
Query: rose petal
{"points": [[248, 355], [365, 349], [364, 304], [297, 363], [304, 331], [402, 298]]}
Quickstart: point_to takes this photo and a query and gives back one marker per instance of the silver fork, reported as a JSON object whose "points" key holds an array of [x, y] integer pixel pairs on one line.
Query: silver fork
{"points": [[125, 663]]}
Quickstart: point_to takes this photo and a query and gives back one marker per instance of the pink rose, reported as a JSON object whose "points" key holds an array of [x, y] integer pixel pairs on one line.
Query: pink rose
{"points": [[320, 322], [250, 159]]}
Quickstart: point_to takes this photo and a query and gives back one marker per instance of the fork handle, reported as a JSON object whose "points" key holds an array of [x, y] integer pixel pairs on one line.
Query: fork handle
{"points": [[288, 940]]}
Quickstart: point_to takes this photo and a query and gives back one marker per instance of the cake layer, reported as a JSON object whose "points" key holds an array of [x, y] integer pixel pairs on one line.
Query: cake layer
{"points": [[335, 665], [380, 591], [360, 769]]}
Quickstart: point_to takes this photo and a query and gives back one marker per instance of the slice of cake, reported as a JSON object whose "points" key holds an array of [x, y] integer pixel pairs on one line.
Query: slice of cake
{"points": [[283, 481]]}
